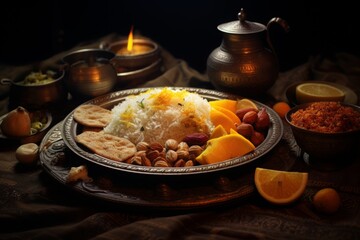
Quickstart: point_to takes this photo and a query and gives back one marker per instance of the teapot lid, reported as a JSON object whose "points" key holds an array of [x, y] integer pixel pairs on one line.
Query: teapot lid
{"points": [[242, 26]]}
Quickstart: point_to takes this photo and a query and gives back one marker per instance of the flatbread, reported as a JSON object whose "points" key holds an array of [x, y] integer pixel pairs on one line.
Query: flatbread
{"points": [[92, 115], [107, 145]]}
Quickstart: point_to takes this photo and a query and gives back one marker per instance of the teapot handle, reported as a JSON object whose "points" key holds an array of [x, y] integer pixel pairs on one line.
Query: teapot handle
{"points": [[282, 23]]}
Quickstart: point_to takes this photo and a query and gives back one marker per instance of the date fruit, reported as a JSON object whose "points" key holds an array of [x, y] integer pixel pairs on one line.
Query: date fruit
{"points": [[245, 129], [196, 139], [241, 112], [250, 117], [257, 138], [263, 120]]}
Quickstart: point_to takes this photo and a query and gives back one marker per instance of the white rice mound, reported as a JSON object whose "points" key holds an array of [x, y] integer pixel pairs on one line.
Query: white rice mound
{"points": [[160, 114]]}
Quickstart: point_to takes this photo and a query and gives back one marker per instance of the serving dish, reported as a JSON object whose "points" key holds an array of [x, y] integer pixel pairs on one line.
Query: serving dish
{"points": [[121, 188], [36, 96], [70, 129], [350, 96], [326, 150]]}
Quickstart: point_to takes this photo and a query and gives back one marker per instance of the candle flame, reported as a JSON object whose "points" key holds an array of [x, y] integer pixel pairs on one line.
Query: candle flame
{"points": [[130, 43]]}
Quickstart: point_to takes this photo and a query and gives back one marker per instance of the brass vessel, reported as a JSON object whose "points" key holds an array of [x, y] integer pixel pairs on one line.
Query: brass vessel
{"points": [[89, 72], [243, 64]]}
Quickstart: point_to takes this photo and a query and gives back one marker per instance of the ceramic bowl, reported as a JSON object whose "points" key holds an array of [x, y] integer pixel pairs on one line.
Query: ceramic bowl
{"points": [[325, 148]]}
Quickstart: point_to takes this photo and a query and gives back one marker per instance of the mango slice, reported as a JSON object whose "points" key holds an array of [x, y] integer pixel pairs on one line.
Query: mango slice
{"points": [[225, 147], [225, 103]]}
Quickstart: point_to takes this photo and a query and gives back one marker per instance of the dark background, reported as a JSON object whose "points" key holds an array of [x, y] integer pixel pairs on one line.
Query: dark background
{"points": [[35, 30]]}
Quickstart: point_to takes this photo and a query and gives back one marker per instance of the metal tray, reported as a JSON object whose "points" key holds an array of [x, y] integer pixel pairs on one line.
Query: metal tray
{"points": [[71, 128], [180, 192]]}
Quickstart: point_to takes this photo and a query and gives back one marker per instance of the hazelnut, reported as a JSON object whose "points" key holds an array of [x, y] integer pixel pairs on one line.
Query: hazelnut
{"points": [[171, 144]]}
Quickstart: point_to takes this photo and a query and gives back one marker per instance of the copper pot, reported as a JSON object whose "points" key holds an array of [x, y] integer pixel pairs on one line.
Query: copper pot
{"points": [[243, 64], [89, 72], [36, 96]]}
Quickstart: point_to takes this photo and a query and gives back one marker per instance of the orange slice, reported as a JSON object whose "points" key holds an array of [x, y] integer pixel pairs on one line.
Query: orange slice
{"points": [[312, 92], [218, 131], [225, 103], [225, 147], [280, 187], [217, 117], [245, 103], [230, 114]]}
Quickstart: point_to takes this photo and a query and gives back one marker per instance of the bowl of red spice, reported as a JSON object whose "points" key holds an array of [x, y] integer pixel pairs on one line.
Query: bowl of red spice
{"points": [[326, 132]]}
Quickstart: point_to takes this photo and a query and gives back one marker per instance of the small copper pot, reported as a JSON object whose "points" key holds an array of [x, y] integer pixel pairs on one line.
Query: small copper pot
{"points": [[89, 72], [37, 96]]}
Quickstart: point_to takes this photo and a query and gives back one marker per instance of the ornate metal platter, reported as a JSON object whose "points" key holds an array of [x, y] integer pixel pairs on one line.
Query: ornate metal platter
{"points": [[70, 129], [153, 191]]}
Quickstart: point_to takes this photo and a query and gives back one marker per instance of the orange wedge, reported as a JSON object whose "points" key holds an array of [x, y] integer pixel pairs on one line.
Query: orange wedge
{"points": [[230, 114], [224, 103], [232, 131], [280, 187], [245, 103], [225, 147], [218, 131], [217, 117]]}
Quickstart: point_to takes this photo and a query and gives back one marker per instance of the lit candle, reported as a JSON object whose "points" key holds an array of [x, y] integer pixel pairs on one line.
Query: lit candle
{"points": [[134, 46], [136, 50]]}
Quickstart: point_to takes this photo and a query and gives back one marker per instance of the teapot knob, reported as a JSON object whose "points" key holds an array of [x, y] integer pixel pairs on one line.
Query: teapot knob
{"points": [[242, 15]]}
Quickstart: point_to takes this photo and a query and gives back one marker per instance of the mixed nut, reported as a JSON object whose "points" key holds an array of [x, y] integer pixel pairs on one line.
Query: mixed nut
{"points": [[254, 126], [173, 154]]}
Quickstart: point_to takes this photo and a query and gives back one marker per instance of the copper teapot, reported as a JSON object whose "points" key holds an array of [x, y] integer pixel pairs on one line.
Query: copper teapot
{"points": [[243, 64]]}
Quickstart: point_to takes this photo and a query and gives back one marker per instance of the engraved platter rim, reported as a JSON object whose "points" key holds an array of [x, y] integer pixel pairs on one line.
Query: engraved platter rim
{"points": [[70, 129]]}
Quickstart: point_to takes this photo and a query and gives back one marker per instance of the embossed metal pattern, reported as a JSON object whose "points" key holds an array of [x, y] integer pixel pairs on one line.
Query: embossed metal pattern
{"points": [[70, 129], [173, 192]]}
